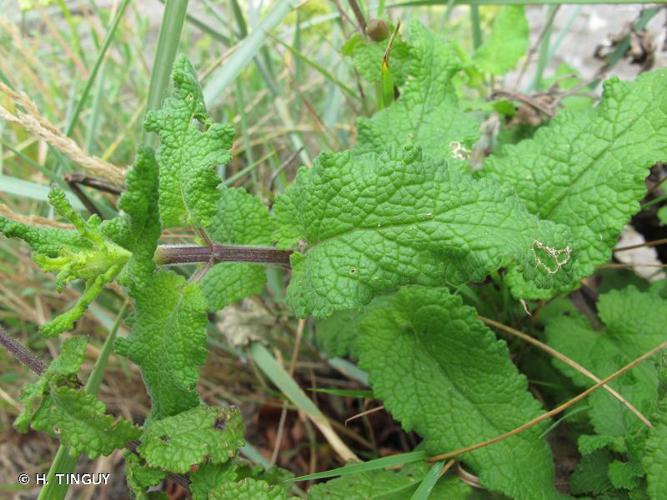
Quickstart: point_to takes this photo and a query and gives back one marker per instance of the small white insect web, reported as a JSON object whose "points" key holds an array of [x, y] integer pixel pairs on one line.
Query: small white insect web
{"points": [[459, 151], [557, 257]]}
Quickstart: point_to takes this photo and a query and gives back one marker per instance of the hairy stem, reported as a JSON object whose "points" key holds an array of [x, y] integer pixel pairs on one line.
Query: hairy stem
{"points": [[183, 254], [21, 353]]}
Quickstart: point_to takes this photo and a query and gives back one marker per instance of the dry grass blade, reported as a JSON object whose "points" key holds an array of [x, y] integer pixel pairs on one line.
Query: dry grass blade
{"points": [[32, 220], [39, 126], [367, 412], [545, 416], [569, 362]]}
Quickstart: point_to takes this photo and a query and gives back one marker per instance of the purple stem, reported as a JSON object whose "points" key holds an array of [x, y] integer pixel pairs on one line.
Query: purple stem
{"points": [[178, 254], [22, 353]]}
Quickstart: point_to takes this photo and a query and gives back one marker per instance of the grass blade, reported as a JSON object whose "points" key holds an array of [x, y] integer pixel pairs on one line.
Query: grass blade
{"points": [[279, 376], [98, 62], [245, 51], [167, 46], [27, 189], [428, 483], [378, 463]]}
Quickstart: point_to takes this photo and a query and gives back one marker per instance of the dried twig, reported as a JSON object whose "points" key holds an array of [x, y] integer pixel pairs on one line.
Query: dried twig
{"points": [[39, 126], [569, 362], [545, 416]]}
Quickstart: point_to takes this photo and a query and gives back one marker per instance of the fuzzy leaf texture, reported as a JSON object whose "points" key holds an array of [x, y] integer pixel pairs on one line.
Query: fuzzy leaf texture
{"points": [[188, 157], [241, 219], [191, 437], [137, 228], [248, 488], [372, 223], [139, 477], [78, 420], [220, 481], [443, 374], [62, 371], [427, 113], [85, 254], [655, 455], [635, 323], [587, 170], [168, 341], [507, 42]]}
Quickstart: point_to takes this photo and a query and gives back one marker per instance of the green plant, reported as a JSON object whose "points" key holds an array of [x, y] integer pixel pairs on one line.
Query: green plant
{"points": [[391, 244]]}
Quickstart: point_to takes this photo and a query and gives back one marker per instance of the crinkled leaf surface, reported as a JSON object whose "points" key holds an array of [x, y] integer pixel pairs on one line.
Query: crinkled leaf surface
{"points": [[61, 371], [137, 228], [189, 152], [192, 437], [443, 374], [655, 455], [370, 224], [635, 323], [587, 170], [248, 488], [139, 477], [217, 480], [43, 240], [78, 420], [507, 42], [168, 341], [427, 113], [625, 475], [241, 219], [85, 254]]}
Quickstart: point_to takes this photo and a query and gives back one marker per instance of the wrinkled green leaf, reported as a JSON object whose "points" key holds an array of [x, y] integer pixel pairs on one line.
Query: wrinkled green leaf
{"points": [[189, 152], [78, 420], [168, 341], [635, 323], [427, 113], [200, 434], [587, 170], [369, 224], [62, 371], [443, 374], [655, 455]]}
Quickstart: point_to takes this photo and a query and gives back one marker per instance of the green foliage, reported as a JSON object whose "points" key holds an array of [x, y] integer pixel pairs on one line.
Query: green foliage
{"points": [[442, 373], [62, 371], [634, 324], [587, 170], [388, 485], [427, 113], [140, 477], [88, 255], [506, 44], [241, 219], [189, 153], [384, 236], [190, 437], [367, 56], [654, 460], [78, 420], [168, 341], [138, 228], [373, 223]]}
